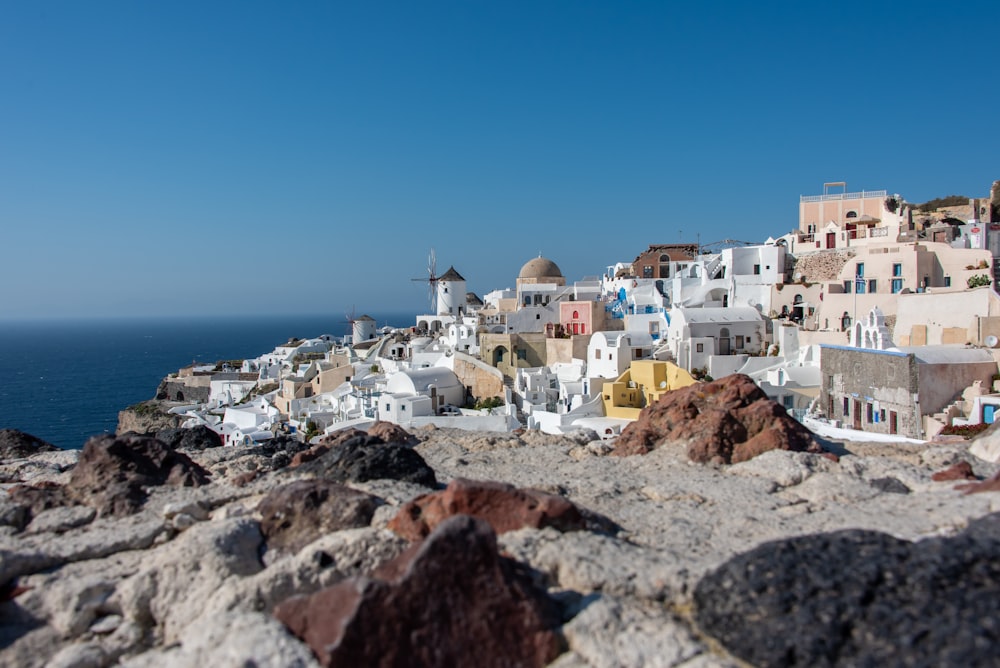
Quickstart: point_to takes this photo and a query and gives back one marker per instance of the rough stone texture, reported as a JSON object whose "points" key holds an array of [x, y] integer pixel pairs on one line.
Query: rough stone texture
{"points": [[503, 506], [147, 417], [391, 432], [859, 598], [959, 471], [234, 639], [991, 484], [451, 600], [728, 421], [296, 514], [15, 444], [176, 581], [362, 458], [39, 497], [986, 446], [323, 563], [193, 438], [620, 632], [112, 472]]}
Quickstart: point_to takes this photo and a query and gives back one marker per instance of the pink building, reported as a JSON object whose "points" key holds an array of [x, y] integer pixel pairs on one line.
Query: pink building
{"points": [[578, 317]]}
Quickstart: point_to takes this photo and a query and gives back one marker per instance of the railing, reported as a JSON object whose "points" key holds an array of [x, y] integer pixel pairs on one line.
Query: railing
{"points": [[879, 232], [864, 194]]}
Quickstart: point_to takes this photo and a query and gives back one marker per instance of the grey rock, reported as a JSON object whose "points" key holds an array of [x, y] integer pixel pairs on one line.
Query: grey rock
{"points": [[59, 520], [80, 655], [859, 598], [178, 578], [363, 458]]}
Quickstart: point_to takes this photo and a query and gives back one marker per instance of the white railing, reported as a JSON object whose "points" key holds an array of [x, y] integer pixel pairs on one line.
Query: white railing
{"points": [[864, 194], [878, 232]]}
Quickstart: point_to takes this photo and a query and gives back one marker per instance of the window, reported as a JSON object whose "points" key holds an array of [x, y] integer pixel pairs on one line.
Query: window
{"points": [[947, 281], [859, 269], [852, 214], [882, 415], [788, 401], [597, 354], [897, 269], [522, 354], [739, 342], [869, 413], [647, 271], [847, 406], [756, 270], [897, 285], [700, 348], [859, 286], [871, 285], [576, 315], [847, 287]]}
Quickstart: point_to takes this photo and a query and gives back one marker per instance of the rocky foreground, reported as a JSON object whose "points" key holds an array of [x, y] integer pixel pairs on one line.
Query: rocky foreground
{"points": [[454, 548]]}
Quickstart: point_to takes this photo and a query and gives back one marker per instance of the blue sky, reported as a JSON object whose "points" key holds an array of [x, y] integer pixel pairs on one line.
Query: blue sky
{"points": [[196, 158]]}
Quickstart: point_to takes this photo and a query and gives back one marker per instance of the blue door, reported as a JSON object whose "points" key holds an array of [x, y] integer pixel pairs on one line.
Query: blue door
{"points": [[989, 413]]}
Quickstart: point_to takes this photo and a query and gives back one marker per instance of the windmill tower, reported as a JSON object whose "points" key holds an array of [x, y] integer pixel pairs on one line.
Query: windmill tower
{"points": [[431, 280], [363, 329], [451, 293]]}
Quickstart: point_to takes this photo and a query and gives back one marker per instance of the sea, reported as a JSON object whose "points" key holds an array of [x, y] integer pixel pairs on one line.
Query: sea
{"points": [[65, 380]]}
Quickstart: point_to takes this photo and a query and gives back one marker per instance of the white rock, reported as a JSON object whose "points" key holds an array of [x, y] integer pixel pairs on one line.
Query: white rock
{"points": [[182, 521], [231, 639], [613, 632], [191, 508], [106, 624], [80, 655], [60, 519], [986, 446]]}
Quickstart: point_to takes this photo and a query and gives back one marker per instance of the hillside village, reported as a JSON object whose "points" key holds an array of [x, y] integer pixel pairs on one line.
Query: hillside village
{"points": [[874, 315]]}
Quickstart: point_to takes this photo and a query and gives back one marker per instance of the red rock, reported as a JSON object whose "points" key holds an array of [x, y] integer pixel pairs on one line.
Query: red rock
{"points": [[503, 506], [728, 420], [451, 600], [245, 478], [112, 472], [991, 484], [296, 514], [338, 437], [312, 453], [959, 471]]}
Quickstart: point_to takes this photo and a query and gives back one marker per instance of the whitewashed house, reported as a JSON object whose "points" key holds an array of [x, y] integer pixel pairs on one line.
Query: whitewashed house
{"points": [[610, 353], [703, 338]]}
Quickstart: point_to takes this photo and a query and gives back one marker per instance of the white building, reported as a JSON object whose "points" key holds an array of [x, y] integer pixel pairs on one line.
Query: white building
{"points": [[610, 353], [697, 335]]}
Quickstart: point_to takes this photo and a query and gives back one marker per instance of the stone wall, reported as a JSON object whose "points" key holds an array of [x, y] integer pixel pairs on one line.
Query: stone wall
{"points": [[883, 380], [821, 266], [481, 380]]}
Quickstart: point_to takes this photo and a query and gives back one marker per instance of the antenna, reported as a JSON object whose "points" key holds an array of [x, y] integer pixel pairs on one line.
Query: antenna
{"points": [[432, 279]]}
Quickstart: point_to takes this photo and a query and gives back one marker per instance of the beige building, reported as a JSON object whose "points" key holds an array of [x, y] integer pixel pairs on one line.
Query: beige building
{"points": [[846, 219], [875, 275]]}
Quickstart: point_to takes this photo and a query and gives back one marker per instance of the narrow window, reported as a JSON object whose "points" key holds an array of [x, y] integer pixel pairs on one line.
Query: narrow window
{"points": [[947, 281], [871, 285], [756, 269], [847, 406], [897, 285], [700, 348], [897, 269], [859, 269]]}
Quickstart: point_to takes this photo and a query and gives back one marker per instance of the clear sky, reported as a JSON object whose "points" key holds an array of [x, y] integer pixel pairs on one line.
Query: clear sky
{"points": [[174, 158]]}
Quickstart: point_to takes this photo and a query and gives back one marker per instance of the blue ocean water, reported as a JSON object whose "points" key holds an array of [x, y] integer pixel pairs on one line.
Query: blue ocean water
{"points": [[65, 381]]}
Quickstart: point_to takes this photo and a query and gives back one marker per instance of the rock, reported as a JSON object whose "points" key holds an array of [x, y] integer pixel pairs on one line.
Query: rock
{"points": [[366, 457], [991, 484], [890, 485], [296, 514], [112, 472], [13, 514], [39, 497], [728, 420], [233, 639], [80, 655], [16, 444], [503, 506], [451, 600], [986, 445], [146, 417], [191, 438], [342, 436], [858, 598], [177, 579], [59, 520], [620, 632], [324, 562], [960, 471], [390, 432], [785, 468]]}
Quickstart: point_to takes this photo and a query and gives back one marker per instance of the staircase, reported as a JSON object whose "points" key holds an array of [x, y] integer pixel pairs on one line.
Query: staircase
{"points": [[514, 399], [712, 268]]}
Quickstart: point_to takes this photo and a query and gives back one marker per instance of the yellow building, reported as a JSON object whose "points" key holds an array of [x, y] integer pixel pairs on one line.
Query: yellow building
{"points": [[642, 384]]}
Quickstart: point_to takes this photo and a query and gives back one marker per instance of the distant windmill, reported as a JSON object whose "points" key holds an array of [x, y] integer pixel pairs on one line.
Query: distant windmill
{"points": [[432, 279], [350, 318]]}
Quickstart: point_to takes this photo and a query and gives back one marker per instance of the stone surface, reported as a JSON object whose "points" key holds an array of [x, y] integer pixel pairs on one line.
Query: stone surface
{"points": [[728, 420], [451, 600], [362, 458], [59, 520], [391, 432], [986, 445], [296, 514], [234, 639], [503, 506], [991, 484], [113, 471], [859, 598], [192, 438], [16, 444]]}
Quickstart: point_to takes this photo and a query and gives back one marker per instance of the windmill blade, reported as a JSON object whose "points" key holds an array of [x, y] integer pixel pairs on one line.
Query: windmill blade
{"points": [[432, 265]]}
